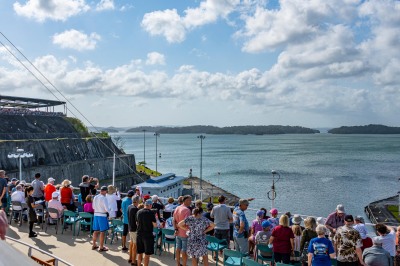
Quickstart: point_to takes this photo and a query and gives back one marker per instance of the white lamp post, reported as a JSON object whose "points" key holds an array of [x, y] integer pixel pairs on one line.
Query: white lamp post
{"points": [[19, 155]]}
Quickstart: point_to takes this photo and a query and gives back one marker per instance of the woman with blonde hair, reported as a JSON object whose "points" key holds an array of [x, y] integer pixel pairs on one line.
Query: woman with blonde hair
{"points": [[67, 195], [282, 239], [296, 228], [112, 198], [308, 233]]}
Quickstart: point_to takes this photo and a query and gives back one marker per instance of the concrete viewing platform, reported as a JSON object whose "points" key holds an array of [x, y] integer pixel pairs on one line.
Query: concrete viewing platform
{"points": [[378, 212]]}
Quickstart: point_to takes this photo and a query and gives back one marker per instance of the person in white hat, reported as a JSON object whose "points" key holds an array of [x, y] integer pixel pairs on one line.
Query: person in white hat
{"points": [[56, 204], [49, 189]]}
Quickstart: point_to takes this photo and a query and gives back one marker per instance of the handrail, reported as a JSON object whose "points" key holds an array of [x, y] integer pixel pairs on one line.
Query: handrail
{"points": [[57, 259]]}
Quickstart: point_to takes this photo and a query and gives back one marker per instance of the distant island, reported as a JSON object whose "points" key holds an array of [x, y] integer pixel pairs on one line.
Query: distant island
{"points": [[238, 130], [368, 129]]}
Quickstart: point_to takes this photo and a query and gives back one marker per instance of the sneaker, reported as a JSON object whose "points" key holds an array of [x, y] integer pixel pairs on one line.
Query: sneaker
{"points": [[33, 234]]}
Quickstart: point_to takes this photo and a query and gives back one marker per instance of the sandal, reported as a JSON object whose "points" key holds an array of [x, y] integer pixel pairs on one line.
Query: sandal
{"points": [[103, 249], [94, 247]]}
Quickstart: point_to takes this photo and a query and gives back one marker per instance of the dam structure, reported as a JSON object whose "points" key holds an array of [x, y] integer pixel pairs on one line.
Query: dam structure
{"points": [[61, 146]]}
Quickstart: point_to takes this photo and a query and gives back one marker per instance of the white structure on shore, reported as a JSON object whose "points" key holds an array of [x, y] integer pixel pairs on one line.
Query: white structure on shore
{"points": [[168, 185]]}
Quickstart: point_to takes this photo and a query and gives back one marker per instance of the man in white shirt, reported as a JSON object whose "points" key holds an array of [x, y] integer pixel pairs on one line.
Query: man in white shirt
{"points": [[100, 221], [56, 204], [388, 238], [17, 195]]}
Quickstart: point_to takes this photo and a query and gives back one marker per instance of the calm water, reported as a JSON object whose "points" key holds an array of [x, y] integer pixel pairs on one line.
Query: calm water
{"points": [[317, 171]]}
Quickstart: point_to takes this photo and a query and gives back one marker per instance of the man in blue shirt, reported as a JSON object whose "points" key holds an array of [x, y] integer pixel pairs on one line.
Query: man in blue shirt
{"points": [[241, 227], [320, 249], [126, 202]]}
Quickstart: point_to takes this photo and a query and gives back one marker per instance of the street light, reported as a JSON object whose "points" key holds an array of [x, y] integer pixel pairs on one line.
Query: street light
{"points": [[201, 137], [19, 155], [144, 146], [272, 196], [156, 135]]}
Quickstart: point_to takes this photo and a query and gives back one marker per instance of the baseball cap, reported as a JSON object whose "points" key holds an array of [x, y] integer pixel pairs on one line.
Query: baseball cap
{"points": [[146, 197], [14, 179], [260, 213], [349, 218], [50, 179], [148, 202], [55, 194], [273, 211], [210, 206], [130, 193], [154, 197], [104, 188], [340, 208], [265, 224]]}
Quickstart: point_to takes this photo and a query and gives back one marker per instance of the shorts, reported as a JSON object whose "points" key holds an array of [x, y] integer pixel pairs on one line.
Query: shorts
{"points": [[145, 244], [222, 234], [133, 236], [100, 223], [181, 243], [125, 231]]}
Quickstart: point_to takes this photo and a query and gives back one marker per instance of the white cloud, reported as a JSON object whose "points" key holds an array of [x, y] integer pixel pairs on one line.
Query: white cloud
{"points": [[155, 58], [173, 27], [105, 5], [77, 40], [58, 10]]}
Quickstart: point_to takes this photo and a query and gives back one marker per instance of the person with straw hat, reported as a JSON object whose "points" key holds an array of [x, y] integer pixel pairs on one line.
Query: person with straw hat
{"points": [[67, 195]]}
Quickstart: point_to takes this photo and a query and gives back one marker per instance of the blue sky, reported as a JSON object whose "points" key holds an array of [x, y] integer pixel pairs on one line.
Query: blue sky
{"points": [[314, 63]]}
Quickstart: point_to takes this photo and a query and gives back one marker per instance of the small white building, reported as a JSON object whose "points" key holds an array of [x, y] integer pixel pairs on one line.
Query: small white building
{"points": [[168, 185]]}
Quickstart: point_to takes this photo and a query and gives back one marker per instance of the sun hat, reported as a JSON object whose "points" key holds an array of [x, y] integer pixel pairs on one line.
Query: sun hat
{"points": [[66, 183], [265, 224], [296, 219], [340, 208], [260, 213], [55, 194], [273, 211], [321, 220]]}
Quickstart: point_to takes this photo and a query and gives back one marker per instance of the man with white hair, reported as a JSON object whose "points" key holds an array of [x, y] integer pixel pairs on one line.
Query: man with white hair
{"points": [[377, 255], [17, 195], [335, 219], [320, 249], [49, 189], [157, 204]]}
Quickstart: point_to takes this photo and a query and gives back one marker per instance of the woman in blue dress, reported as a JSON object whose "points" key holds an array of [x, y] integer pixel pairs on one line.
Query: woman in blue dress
{"points": [[197, 226]]}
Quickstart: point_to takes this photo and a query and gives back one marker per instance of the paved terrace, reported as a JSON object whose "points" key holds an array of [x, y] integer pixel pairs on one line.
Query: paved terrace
{"points": [[77, 249]]}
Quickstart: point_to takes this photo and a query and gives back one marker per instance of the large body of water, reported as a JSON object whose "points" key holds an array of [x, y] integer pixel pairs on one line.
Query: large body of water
{"points": [[317, 171]]}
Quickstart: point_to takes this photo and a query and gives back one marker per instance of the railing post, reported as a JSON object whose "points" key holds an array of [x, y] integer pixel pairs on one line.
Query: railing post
{"points": [[56, 262], [30, 252]]}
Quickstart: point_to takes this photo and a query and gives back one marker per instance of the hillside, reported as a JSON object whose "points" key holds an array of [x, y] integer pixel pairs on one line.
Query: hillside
{"points": [[239, 130], [368, 129]]}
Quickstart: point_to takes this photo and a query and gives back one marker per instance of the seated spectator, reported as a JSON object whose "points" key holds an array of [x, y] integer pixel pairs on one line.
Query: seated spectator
{"points": [[56, 204], [274, 220], [88, 206], [49, 189], [67, 196], [262, 237], [255, 227], [19, 196]]}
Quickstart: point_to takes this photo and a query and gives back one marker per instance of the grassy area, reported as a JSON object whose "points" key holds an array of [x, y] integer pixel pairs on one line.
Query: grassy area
{"points": [[145, 169], [394, 209]]}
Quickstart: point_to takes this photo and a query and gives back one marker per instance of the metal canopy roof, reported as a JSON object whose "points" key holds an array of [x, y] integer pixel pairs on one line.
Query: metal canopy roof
{"points": [[22, 102]]}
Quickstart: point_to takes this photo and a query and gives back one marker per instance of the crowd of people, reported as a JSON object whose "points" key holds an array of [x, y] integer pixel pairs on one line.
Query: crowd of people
{"points": [[25, 111], [289, 238]]}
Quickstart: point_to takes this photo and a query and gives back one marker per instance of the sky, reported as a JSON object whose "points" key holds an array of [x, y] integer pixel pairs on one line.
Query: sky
{"points": [[312, 63]]}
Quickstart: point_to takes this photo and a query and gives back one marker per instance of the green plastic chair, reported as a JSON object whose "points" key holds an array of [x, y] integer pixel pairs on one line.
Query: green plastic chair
{"points": [[249, 262], [70, 218], [232, 258], [168, 232], [264, 248], [215, 245], [156, 234], [117, 226], [334, 262], [83, 217]]}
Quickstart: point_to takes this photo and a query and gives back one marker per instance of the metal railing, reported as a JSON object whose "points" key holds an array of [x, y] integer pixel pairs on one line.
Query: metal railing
{"points": [[30, 247]]}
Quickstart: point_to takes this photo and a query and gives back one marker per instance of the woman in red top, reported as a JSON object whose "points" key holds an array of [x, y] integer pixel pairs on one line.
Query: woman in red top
{"points": [[282, 239], [67, 196]]}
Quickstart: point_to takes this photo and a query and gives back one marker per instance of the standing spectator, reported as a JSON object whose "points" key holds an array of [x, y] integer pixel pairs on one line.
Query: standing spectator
{"points": [[241, 227], [157, 204], [56, 204], [197, 226], [38, 188], [100, 221], [320, 250], [146, 221], [388, 237], [30, 201], [67, 196], [132, 211], [112, 197], [256, 226], [17, 195], [348, 244], [3, 190], [282, 239], [139, 193], [397, 256], [335, 219], [222, 218], [361, 228], [274, 220], [88, 186], [308, 233], [126, 202], [180, 214], [49, 189], [297, 231], [377, 255], [207, 215], [170, 207]]}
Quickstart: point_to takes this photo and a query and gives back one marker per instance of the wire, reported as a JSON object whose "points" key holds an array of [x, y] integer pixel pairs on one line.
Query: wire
{"points": [[52, 85]]}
